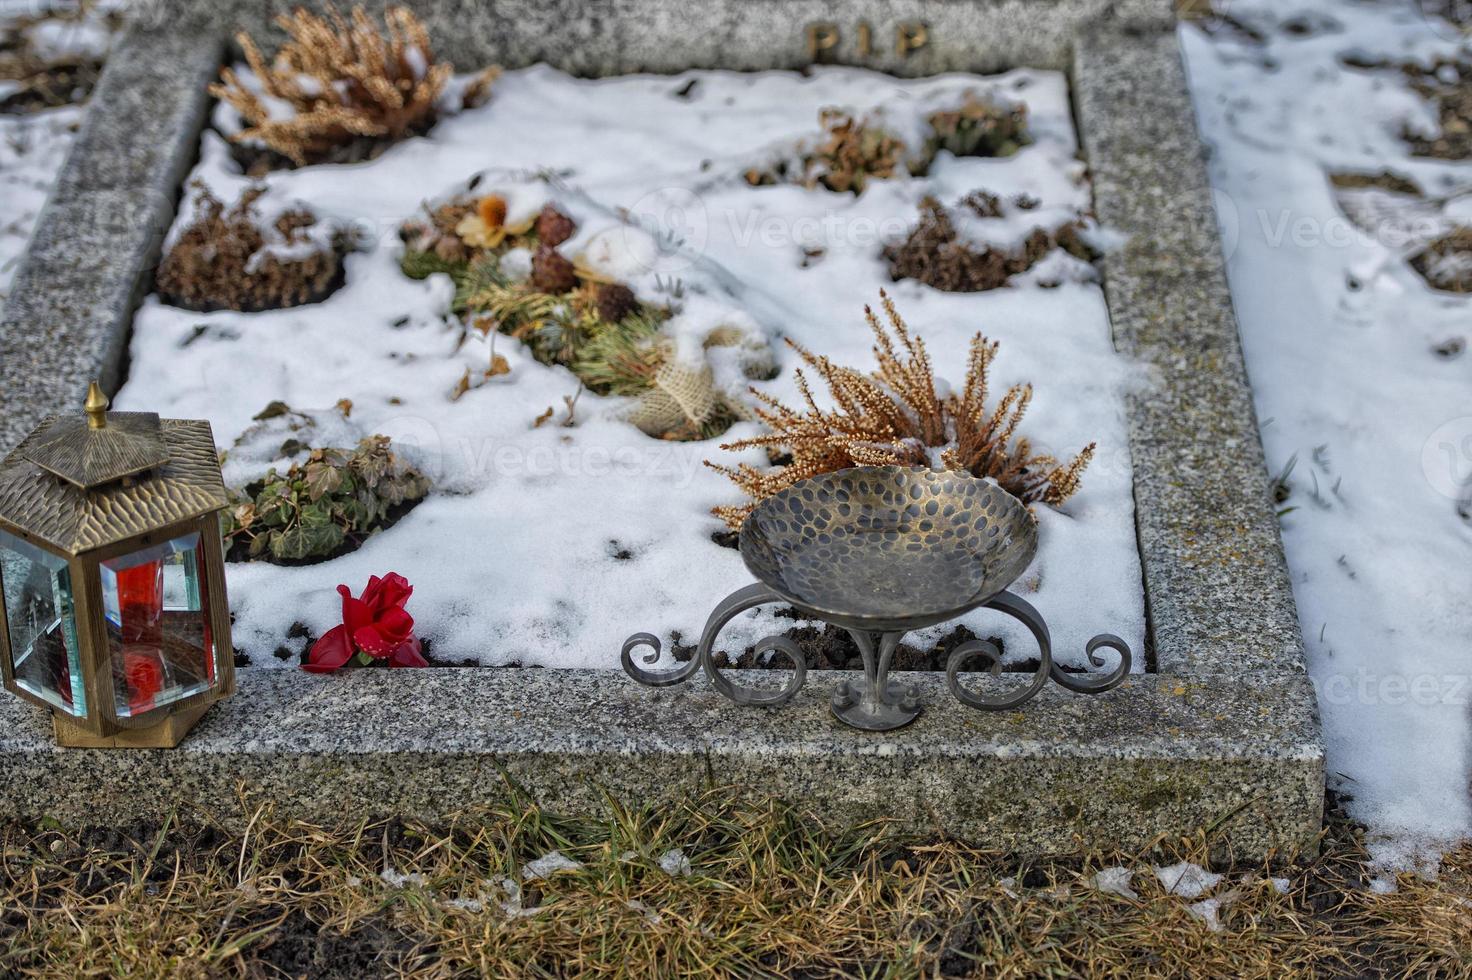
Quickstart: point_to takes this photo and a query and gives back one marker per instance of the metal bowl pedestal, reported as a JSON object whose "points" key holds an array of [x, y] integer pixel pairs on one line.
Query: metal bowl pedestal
{"points": [[882, 551]]}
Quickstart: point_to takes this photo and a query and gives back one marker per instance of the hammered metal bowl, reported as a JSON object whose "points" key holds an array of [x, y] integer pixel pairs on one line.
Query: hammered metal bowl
{"points": [[889, 547]]}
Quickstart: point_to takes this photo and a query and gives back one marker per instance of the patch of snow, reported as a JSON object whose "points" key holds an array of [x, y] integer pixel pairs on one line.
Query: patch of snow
{"points": [[33, 147], [417, 61], [1207, 910], [549, 864], [399, 879], [1187, 880], [1384, 885], [511, 905], [650, 916], [1116, 881], [674, 863], [87, 37], [517, 263], [464, 904]]}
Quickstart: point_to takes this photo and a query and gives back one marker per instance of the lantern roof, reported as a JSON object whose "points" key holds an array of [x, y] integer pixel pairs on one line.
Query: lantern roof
{"points": [[78, 485], [98, 447]]}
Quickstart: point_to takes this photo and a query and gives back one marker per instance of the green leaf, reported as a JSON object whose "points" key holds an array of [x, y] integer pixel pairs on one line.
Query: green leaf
{"points": [[275, 409], [322, 479], [356, 513], [316, 515], [301, 542], [361, 659], [372, 467]]}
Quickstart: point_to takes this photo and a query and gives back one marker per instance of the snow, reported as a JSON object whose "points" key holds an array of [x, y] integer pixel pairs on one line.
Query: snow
{"points": [[675, 863], [1208, 910], [1338, 332], [395, 878], [34, 146], [1187, 880], [513, 555], [1116, 881], [32, 149], [549, 864], [82, 38]]}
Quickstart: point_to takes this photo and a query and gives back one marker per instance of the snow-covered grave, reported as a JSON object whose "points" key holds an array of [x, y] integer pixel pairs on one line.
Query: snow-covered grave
{"points": [[559, 519], [580, 533]]}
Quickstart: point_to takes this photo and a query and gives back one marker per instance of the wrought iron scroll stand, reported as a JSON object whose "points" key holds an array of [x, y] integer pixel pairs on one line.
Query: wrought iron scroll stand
{"points": [[879, 702]]}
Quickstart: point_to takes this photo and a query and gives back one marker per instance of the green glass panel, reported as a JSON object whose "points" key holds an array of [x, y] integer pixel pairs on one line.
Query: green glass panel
{"points": [[40, 611]]}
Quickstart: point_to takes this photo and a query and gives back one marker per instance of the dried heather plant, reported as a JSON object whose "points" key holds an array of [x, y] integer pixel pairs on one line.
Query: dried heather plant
{"points": [[896, 417], [936, 254], [226, 260], [343, 80]]}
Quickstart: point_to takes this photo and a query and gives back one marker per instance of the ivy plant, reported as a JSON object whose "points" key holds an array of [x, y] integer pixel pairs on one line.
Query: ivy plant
{"points": [[324, 505]]}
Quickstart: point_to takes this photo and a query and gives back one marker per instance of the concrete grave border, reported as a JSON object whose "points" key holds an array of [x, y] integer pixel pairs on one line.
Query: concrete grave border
{"points": [[1223, 733]]}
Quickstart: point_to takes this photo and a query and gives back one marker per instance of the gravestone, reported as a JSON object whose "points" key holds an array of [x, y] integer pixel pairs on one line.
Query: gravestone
{"points": [[1222, 728]]}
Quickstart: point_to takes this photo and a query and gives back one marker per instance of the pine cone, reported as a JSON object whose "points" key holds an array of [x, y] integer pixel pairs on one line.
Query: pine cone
{"points": [[551, 273], [554, 227], [615, 301]]}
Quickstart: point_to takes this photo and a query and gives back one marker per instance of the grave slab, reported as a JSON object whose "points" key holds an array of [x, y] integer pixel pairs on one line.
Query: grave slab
{"points": [[1223, 732]]}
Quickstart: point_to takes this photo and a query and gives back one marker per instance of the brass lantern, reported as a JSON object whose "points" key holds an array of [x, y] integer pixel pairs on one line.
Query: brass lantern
{"points": [[112, 568]]}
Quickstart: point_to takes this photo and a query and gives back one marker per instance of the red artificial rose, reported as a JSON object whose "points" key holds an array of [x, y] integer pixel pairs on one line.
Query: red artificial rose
{"points": [[144, 674], [375, 623]]}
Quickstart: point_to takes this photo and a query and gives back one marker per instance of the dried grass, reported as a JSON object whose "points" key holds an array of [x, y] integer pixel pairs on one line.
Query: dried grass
{"points": [[771, 892], [896, 417], [342, 80]]}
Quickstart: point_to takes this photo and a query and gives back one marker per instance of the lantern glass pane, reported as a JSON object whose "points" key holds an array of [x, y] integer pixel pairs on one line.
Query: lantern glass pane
{"points": [[156, 606], [40, 612]]}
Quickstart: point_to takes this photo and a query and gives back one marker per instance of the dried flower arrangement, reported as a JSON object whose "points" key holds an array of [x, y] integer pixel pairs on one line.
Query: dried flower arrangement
{"points": [[225, 260], [324, 506], [1446, 263], [981, 126], [896, 417], [351, 88], [854, 151], [567, 314], [935, 254]]}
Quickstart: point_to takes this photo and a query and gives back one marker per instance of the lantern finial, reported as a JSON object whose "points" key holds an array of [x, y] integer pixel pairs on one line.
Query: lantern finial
{"points": [[96, 406]]}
